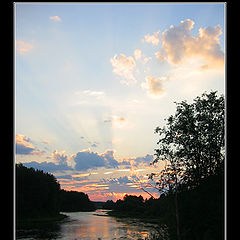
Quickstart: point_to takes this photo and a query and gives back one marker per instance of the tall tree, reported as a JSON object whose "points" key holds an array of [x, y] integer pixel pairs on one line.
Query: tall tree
{"points": [[191, 144]]}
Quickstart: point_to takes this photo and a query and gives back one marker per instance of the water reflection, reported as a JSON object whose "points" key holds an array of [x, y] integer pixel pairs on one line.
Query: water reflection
{"points": [[92, 226]]}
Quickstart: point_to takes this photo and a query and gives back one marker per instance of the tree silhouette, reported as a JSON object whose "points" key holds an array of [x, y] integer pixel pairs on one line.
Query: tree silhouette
{"points": [[37, 193], [73, 201], [191, 144]]}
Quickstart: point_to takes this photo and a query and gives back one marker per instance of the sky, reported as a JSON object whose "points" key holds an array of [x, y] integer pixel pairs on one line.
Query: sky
{"points": [[94, 80]]}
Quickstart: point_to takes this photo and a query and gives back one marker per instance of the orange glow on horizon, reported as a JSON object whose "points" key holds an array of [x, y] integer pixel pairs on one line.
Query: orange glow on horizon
{"points": [[97, 194]]}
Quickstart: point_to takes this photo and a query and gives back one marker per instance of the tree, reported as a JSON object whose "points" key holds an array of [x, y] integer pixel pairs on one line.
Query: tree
{"points": [[73, 201], [37, 193], [191, 144], [130, 204], [109, 205]]}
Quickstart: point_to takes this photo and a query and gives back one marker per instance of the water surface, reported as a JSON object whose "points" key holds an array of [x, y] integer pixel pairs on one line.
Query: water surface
{"points": [[92, 226]]}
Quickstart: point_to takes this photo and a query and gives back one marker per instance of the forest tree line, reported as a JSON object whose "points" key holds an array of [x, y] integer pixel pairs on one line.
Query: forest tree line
{"points": [[38, 195], [201, 210]]}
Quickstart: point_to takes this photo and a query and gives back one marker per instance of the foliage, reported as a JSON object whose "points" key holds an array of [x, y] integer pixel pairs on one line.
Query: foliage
{"points": [[73, 201], [192, 146], [109, 204], [193, 140], [130, 204], [201, 210], [37, 193], [38, 196]]}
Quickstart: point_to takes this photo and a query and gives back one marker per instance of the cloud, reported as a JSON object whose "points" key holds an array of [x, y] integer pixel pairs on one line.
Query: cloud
{"points": [[60, 163], [146, 159], [91, 160], [154, 86], [109, 158], [153, 39], [119, 180], [174, 40], [81, 178], [117, 121], [137, 54], [147, 59], [23, 47], [82, 175], [178, 45], [138, 162], [67, 176], [55, 18], [96, 94], [46, 142], [107, 121], [59, 157], [160, 56], [47, 166], [25, 147], [88, 97], [123, 66]]}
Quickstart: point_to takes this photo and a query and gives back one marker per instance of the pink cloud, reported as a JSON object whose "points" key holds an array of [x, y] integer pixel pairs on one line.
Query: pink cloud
{"points": [[55, 18]]}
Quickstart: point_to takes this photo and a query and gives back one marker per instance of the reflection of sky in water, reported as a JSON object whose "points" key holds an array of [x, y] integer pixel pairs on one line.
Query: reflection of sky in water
{"points": [[89, 227]]}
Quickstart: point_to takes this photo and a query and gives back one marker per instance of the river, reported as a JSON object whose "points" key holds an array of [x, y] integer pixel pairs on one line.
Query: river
{"points": [[93, 226]]}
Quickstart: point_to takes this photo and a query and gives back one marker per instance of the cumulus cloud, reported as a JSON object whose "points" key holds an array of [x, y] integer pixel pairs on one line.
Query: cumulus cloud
{"points": [[160, 56], [178, 44], [137, 162], [174, 40], [59, 157], [153, 39], [123, 66], [91, 160], [55, 18], [24, 146], [154, 86], [109, 158], [146, 159]]}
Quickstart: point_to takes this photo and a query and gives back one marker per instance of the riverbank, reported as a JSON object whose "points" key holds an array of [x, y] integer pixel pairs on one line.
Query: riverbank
{"points": [[30, 222], [143, 218]]}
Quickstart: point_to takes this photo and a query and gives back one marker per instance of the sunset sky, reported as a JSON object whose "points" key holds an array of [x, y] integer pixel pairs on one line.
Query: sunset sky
{"points": [[93, 81]]}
